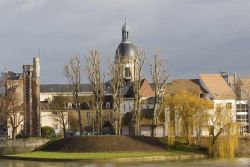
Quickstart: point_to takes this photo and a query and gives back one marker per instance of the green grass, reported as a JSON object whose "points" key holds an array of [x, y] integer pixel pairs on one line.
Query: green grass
{"points": [[85, 156], [173, 150], [183, 147]]}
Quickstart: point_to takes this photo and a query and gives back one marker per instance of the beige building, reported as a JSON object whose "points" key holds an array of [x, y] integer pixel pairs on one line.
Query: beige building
{"points": [[221, 94]]}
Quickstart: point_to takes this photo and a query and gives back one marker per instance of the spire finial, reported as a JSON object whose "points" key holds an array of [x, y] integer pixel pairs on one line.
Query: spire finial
{"points": [[39, 51], [125, 31]]}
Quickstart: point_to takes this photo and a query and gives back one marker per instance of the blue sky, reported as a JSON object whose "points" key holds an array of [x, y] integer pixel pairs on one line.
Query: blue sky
{"points": [[195, 36]]}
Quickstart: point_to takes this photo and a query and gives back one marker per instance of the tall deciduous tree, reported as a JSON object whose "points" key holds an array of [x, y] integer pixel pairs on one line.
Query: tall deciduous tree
{"points": [[72, 71], [93, 72], [159, 80], [60, 104], [139, 60], [116, 83], [11, 105]]}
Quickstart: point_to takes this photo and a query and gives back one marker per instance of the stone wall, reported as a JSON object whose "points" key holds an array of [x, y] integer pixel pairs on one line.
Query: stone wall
{"points": [[20, 145]]}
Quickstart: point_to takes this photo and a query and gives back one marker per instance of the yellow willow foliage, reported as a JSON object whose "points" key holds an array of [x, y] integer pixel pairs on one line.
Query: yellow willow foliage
{"points": [[226, 144], [171, 133], [187, 105]]}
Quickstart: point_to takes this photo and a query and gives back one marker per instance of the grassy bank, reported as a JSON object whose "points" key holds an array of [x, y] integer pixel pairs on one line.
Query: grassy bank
{"points": [[111, 148]]}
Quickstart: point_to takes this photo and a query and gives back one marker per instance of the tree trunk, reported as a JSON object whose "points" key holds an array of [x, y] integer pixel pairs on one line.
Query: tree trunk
{"points": [[187, 132], [154, 119], [64, 129], [79, 119], [14, 133]]}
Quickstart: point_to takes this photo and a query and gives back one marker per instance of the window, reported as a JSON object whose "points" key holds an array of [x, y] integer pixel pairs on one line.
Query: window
{"points": [[69, 105], [55, 113], [55, 126], [228, 106], [88, 115], [56, 119], [218, 107], [243, 129], [242, 118], [85, 106], [127, 72], [107, 104]]}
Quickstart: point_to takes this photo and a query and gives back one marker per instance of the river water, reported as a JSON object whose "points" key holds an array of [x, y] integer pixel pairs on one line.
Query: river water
{"points": [[238, 162]]}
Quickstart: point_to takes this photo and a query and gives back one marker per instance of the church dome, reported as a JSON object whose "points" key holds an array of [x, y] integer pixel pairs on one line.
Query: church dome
{"points": [[126, 49]]}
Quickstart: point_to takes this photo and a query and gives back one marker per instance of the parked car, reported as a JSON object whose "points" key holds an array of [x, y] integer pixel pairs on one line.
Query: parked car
{"points": [[92, 133], [69, 134], [107, 131]]}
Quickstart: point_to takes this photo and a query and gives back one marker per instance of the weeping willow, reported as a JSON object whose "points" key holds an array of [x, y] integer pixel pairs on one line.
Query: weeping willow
{"points": [[171, 133], [226, 144]]}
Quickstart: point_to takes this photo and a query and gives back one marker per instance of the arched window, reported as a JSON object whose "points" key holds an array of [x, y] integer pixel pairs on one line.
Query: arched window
{"points": [[127, 72]]}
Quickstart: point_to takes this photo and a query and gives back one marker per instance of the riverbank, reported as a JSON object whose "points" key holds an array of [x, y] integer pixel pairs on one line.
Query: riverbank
{"points": [[21, 145], [111, 148], [106, 156]]}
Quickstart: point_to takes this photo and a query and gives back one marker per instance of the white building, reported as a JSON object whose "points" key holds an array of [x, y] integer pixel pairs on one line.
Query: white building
{"points": [[221, 94]]}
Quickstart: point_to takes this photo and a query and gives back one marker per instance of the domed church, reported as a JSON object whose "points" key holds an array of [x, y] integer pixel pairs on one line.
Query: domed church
{"points": [[126, 55]]}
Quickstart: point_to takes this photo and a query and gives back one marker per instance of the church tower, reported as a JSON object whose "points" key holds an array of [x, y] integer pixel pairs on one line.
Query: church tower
{"points": [[31, 86], [126, 55]]}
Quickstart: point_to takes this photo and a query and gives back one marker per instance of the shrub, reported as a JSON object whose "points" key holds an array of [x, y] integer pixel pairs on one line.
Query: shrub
{"points": [[48, 132]]}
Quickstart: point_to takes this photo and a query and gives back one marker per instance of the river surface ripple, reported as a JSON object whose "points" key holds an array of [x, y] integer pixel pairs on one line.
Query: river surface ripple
{"points": [[238, 162]]}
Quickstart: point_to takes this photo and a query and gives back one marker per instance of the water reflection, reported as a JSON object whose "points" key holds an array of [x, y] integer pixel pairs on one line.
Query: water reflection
{"points": [[239, 162]]}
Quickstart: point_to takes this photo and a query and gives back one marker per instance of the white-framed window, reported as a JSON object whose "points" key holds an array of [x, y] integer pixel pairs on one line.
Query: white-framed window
{"points": [[218, 107], [107, 104], [228, 106], [69, 105], [243, 129], [55, 113], [88, 115], [55, 126]]}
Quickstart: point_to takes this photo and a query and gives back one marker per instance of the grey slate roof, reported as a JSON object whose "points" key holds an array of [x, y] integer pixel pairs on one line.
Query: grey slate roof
{"points": [[50, 88]]}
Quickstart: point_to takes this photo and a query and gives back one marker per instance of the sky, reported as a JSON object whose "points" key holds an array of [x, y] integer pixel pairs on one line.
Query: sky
{"points": [[194, 36]]}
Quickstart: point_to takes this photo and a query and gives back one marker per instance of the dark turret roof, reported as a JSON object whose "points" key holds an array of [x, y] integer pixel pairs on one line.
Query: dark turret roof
{"points": [[126, 49]]}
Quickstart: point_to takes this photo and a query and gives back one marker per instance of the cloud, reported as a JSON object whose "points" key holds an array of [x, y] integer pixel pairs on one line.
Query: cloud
{"points": [[195, 36]]}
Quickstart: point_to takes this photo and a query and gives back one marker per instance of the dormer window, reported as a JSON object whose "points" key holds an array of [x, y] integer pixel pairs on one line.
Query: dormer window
{"points": [[107, 105]]}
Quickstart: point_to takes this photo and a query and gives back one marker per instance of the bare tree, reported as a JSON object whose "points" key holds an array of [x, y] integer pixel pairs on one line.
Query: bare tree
{"points": [[116, 83], [14, 109], [72, 71], [93, 62], [159, 79], [73, 122], [11, 105], [60, 105], [139, 60]]}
